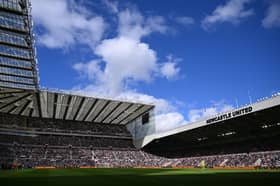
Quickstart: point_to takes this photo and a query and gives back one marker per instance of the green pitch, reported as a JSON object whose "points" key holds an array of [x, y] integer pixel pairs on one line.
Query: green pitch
{"points": [[141, 177]]}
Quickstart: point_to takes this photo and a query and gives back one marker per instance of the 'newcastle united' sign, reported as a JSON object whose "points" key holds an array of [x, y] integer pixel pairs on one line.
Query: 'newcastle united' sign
{"points": [[230, 115]]}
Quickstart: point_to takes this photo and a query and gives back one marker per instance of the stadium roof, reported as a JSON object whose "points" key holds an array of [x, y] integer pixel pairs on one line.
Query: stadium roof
{"points": [[55, 105], [256, 122]]}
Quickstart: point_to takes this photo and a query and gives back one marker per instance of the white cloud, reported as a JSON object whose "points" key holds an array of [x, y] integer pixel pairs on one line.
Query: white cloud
{"points": [[66, 23], [272, 18], [184, 20], [90, 70], [112, 5], [126, 59], [132, 24], [170, 68], [217, 107], [169, 121], [233, 12]]}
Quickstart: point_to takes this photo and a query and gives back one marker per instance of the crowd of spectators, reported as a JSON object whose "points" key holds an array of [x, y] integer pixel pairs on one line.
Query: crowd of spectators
{"points": [[269, 159], [49, 125], [32, 142], [67, 140], [67, 156]]}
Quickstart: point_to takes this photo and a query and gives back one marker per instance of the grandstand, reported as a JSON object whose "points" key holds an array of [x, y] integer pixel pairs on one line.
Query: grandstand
{"points": [[42, 128], [64, 130], [249, 128], [244, 137], [247, 137]]}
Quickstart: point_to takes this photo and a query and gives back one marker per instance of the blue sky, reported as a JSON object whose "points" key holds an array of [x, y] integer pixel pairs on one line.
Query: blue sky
{"points": [[192, 59]]}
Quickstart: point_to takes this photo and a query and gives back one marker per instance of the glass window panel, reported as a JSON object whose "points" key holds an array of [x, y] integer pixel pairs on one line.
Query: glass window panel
{"points": [[17, 5], [16, 85], [11, 51], [16, 79], [16, 39], [14, 71], [15, 62], [13, 21]]}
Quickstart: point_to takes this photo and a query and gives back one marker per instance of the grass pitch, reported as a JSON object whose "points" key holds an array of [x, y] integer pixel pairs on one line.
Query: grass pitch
{"points": [[141, 177]]}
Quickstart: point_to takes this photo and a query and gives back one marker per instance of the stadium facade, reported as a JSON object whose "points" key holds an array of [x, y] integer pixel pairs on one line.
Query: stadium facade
{"points": [[42, 128]]}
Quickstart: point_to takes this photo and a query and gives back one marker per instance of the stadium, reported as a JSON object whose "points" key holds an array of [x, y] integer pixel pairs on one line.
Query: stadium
{"points": [[52, 135]]}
